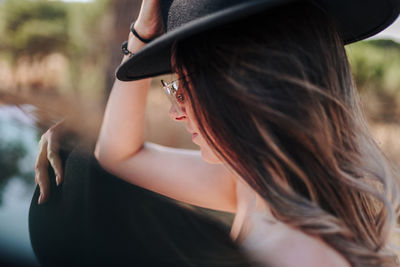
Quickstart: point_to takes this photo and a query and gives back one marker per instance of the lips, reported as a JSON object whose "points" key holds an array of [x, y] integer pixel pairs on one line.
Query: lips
{"points": [[194, 135]]}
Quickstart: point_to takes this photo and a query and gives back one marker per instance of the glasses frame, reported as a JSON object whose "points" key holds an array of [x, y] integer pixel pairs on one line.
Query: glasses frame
{"points": [[170, 89]]}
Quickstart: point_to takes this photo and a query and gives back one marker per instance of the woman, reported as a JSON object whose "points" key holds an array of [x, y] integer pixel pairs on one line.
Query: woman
{"points": [[271, 102]]}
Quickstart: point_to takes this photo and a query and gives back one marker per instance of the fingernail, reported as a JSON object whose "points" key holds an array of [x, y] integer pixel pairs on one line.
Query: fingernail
{"points": [[40, 200], [58, 180]]}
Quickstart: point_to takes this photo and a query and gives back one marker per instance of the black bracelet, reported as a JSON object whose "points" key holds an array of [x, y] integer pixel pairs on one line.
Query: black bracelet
{"points": [[124, 49], [144, 40]]}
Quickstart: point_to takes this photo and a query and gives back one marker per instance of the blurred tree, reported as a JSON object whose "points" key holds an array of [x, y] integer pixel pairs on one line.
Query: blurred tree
{"points": [[88, 34], [35, 27], [376, 65], [78, 30]]}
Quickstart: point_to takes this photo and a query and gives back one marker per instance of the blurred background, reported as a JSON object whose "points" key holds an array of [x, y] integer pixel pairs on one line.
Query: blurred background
{"points": [[57, 60]]}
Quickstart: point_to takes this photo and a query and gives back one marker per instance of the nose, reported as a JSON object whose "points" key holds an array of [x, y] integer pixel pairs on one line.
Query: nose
{"points": [[175, 115]]}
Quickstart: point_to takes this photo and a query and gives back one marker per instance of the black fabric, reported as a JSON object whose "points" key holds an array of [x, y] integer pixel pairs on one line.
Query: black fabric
{"points": [[355, 19], [95, 218]]}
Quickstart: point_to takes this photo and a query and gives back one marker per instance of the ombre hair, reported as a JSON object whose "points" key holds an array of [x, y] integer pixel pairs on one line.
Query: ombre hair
{"points": [[274, 96]]}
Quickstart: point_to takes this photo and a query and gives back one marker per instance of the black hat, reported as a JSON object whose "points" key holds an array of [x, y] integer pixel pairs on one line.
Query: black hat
{"points": [[356, 20]]}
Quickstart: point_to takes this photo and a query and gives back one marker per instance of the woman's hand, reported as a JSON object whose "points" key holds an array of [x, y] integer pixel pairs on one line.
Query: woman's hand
{"points": [[148, 25], [48, 153]]}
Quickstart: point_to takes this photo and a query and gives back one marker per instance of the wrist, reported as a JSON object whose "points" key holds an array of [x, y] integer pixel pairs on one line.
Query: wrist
{"points": [[144, 32], [134, 45], [147, 30]]}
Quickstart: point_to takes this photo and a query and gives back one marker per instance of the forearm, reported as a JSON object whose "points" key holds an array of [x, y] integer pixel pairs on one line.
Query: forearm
{"points": [[122, 130]]}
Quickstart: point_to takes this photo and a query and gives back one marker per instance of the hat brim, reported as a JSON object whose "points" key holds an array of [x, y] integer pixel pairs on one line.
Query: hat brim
{"points": [[154, 59]]}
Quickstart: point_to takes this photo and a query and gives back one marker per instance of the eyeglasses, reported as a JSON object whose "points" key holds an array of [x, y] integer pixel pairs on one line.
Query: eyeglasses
{"points": [[171, 89]]}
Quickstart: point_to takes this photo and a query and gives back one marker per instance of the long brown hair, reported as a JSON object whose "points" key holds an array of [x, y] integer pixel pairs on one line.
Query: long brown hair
{"points": [[274, 96]]}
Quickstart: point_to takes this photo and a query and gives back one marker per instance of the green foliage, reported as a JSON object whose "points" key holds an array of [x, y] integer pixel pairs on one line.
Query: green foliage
{"points": [[20, 12], [42, 26], [376, 68], [78, 30], [39, 37], [35, 27], [376, 65]]}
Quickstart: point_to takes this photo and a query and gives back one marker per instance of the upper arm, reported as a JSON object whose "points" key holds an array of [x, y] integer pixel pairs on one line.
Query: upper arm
{"points": [[180, 174], [281, 245], [302, 250]]}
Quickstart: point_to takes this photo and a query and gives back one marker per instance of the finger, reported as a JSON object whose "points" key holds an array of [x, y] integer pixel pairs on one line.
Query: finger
{"points": [[41, 170], [44, 185], [41, 157], [54, 159]]}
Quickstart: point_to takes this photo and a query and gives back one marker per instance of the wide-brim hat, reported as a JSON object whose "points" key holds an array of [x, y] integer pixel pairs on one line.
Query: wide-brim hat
{"points": [[356, 20]]}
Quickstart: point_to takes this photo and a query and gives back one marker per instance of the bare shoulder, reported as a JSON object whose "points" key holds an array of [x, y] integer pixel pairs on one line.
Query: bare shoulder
{"points": [[282, 245]]}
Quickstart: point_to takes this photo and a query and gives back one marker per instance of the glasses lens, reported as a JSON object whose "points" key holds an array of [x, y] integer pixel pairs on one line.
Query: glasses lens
{"points": [[175, 85], [170, 90]]}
